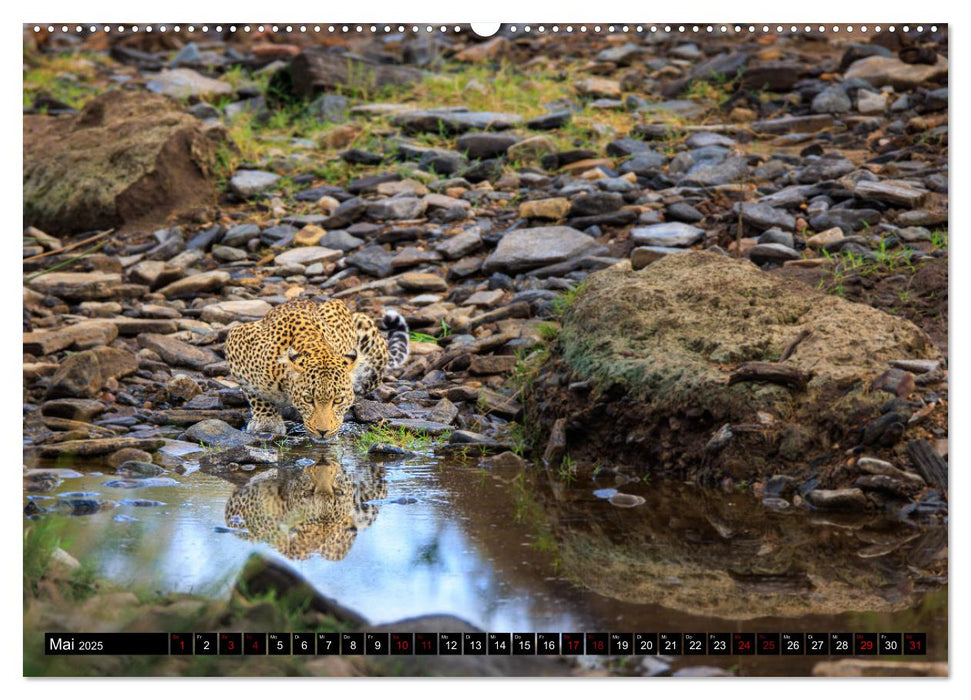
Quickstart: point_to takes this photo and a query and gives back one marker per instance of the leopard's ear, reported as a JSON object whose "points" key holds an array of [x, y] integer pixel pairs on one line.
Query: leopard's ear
{"points": [[350, 359], [293, 360]]}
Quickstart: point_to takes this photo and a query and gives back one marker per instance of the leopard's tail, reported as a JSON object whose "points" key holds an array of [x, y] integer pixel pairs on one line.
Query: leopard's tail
{"points": [[396, 327]]}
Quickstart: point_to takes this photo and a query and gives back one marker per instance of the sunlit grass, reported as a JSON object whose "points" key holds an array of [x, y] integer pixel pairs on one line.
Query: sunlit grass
{"points": [[68, 77]]}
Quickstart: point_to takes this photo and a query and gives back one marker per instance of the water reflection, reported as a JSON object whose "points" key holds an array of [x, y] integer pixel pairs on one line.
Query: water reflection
{"points": [[315, 509], [508, 549], [721, 555]]}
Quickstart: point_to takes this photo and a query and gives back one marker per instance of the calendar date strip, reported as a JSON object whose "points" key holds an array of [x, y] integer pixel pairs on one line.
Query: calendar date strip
{"points": [[489, 643]]}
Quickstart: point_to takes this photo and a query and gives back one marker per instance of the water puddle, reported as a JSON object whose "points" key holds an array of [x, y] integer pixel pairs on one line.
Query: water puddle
{"points": [[512, 550]]}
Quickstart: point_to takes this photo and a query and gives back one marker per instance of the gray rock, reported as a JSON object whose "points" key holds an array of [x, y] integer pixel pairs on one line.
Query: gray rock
{"points": [[824, 168], [682, 211], [849, 220], [644, 163], [240, 235], [762, 216], [460, 245], [307, 255], [774, 235], [216, 433], [252, 105], [553, 120], [894, 192], [329, 108], [341, 240], [672, 234], [643, 256], [525, 249], [442, 162], [225, 253], [832, 100], [248, 183], [238, 454], [434, 121], [868, 102], [374, 260], [620, 148], [396, 208], [912, 234], [204, 111], [595, 203], [185, 83], [177, 352], [730, 170], [763, 253], [621, 55], [478, 146], [790, 124], [346, 214], [701, 139]]}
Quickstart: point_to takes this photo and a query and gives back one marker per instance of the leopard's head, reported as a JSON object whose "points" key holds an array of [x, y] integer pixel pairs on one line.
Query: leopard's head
{"points": [[319, 386]]}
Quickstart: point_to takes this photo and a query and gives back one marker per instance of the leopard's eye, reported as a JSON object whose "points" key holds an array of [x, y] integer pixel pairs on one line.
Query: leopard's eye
{"points": [[308, 398]]}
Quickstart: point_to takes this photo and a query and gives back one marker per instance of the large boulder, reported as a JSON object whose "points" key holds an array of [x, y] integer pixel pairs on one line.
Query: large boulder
{"points": [[127, 158], [665, 351]]}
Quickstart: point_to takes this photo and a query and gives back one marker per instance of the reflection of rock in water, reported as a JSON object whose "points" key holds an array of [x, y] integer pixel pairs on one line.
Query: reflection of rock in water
{"points": [[722, 555], [315, 510]]}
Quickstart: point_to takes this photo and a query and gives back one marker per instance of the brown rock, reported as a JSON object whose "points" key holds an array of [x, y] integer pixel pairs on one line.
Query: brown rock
{"points": [[488, 50], [127, 454], [309, 235], [177, 352], [78, 286], [155, 273], [837, 499], [830, 235], [99, 446], [529, 151], [500, 404], [73, 409], [318, 70], [554, 208], [196, 284], [556, 445], [492, 364], [598, 87], [894, 381], [127, 157], [79, 376], [78, 336], [422, 282]]}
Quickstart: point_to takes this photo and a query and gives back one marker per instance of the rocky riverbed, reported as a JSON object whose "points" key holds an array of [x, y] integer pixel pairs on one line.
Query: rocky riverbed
{"points": [[718, 259]]}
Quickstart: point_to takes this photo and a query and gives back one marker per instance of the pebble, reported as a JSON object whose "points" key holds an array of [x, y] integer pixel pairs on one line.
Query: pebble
{"points": [[668, 235], [249, 183]]}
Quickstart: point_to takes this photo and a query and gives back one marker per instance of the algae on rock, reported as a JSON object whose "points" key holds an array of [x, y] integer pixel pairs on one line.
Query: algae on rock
{"points": [[126, 158], [658, 346]]}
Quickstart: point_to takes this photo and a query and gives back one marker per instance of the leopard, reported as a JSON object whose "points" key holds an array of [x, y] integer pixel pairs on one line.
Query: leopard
{"points": [[317, 357], [316, 510]]}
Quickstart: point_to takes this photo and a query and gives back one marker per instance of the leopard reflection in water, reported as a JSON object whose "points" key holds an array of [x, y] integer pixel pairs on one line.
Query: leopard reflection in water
{"points": [[318, 509]]}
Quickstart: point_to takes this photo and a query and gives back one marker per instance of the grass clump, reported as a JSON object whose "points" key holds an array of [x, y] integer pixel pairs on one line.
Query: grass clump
{"points": [[415, 440]]}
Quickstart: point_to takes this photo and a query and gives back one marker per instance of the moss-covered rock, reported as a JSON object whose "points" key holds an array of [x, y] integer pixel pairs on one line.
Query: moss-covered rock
{"points": [[658, 346], [126, 158]]}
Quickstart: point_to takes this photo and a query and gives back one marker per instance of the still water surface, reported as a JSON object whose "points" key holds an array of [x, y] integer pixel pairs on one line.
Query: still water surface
{"points": [[513, 551]]}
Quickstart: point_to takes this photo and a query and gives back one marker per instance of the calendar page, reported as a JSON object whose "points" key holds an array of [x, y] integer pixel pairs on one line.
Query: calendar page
{"points": [[527, 349]]}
